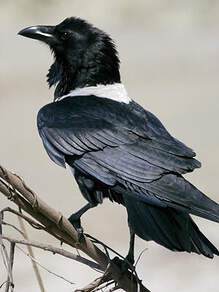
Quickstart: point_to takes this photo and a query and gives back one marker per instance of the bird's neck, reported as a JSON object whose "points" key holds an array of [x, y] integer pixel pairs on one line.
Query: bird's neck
{"points": [[68, 78]]}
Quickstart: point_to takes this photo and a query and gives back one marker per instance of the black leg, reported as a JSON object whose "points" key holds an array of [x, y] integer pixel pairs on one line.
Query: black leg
{"points": [[130, 256], [129, 260], [75, 218]]}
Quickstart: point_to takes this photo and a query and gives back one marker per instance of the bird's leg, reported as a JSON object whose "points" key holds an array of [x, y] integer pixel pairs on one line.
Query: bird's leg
{"points": [[128, 262], [130, 255], [75, 218]]}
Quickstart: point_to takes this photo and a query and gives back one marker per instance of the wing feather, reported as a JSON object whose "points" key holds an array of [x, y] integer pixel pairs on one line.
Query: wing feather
{"points": [[126, 145]]}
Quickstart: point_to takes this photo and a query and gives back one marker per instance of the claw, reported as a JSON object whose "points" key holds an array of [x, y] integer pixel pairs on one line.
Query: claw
{"points": [[80, 234], [76, 222], [124, 265]]}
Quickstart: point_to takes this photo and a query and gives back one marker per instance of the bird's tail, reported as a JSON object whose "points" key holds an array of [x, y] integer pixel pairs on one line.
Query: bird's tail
{"points": [[169, 227]]}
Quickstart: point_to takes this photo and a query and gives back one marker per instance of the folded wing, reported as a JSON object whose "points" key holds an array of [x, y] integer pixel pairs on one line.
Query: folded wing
{"points": [[120, 144]]}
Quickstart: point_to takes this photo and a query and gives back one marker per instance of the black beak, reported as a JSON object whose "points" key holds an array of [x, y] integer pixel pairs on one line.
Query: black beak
{"points": [[42, 33]]}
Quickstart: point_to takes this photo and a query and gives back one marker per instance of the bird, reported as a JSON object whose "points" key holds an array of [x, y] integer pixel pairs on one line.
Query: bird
{"points": [[114, 147]]}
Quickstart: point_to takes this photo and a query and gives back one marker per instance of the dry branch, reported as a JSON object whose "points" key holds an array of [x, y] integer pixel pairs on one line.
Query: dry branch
{"points": [[54, 250], [30, 250], [8, 261], [9, 283], [43, 267], [14, 188]]}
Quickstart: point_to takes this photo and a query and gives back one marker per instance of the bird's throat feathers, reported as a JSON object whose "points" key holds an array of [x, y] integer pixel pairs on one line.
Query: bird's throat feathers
{"points": [[84, 68]]}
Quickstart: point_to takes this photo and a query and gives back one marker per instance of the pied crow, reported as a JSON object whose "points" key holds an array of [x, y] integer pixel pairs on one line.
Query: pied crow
{"points": [[115, 148]]}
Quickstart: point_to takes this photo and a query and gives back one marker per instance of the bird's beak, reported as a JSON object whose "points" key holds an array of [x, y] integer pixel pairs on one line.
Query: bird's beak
{"points": [[40, 32]]}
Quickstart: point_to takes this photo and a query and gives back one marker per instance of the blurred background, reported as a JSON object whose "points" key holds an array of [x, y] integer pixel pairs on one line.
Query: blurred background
{"points": [[170, 64]]}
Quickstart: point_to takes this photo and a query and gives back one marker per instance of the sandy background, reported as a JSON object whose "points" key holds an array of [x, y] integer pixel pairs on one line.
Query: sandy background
{"points": [[170, 64]]}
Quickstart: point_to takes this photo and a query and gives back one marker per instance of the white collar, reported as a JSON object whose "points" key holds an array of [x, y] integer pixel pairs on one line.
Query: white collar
{"points": [[114, 91]]}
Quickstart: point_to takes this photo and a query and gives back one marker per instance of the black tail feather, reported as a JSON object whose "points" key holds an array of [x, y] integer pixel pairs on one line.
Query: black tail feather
{"points": [[180, 194], [168, 227]]}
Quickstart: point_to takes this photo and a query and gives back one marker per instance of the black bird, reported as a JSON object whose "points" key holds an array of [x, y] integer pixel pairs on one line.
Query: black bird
{"points": [[114, 147]]}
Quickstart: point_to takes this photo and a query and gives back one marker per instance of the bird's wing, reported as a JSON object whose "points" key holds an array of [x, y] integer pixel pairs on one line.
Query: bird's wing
{"points": [[126, 134], [119, 143]]}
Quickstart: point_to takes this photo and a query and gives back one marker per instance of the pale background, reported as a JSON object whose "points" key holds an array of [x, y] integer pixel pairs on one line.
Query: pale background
{"points": [[170, 64]]}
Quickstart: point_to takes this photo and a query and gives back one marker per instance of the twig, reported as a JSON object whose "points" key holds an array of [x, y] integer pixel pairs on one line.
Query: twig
{"points": [[104, 286], [5, 282], [56, 224], [8, 262], [105, 246], [112, 289], [97, 282], [90, 287], [30, 250], [140, 255], [12, 226], [54, 250], [33, 223], [9, 283], [36, 262]]}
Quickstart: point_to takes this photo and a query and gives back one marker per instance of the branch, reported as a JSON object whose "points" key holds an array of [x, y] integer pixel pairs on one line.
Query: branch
{"points": [[14, 188], [30, 250], [54, 250], [8, 261], [43, 267], [9, 283], [95, 284]]}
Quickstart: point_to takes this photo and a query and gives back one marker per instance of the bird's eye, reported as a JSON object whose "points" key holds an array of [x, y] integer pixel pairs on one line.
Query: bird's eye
{"points": [[65, 36]]}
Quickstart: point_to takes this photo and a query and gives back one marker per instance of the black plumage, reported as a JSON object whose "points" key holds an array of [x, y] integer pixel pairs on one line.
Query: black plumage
{"points": [[115, 148]]}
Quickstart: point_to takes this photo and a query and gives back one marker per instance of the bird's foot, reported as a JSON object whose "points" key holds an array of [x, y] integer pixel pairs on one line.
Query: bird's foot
{"points": [[75, 220], [124, 265]]}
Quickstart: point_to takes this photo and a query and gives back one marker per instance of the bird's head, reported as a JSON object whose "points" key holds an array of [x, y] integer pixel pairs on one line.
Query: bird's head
{"points": [[84, 55]]}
